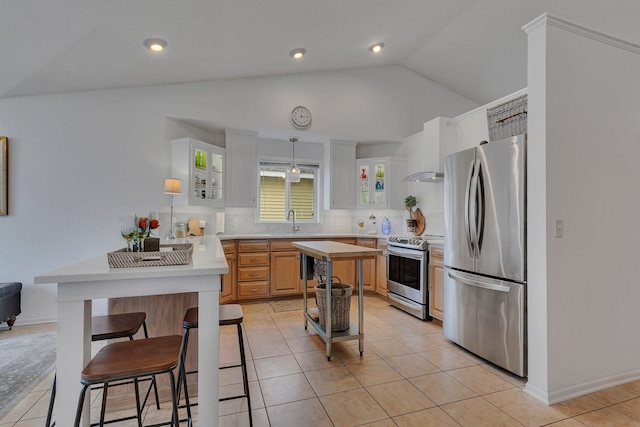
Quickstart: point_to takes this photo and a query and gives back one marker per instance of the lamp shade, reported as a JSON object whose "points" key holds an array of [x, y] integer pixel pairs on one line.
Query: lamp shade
{"points": [[293, 174], [172, 186]]}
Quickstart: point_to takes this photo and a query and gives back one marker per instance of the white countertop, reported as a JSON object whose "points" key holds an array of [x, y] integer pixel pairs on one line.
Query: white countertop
{"points": [[300, 235], [208, 259]]}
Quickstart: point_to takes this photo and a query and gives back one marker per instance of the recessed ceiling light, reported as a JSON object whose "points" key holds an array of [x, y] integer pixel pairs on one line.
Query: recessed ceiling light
{"points": [[155, 45], [377, 48], [298, 53]]}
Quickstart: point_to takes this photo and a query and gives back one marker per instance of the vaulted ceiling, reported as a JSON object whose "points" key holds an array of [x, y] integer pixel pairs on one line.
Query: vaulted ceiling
{"points": [[473, 47]]}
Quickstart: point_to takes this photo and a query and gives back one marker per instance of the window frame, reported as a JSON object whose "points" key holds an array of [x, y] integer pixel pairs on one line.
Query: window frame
{"points": [[317, 188]]}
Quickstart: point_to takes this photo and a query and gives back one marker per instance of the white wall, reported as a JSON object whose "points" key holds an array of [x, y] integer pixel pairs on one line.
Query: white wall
{"points": [[584, 145], [79, 161]]}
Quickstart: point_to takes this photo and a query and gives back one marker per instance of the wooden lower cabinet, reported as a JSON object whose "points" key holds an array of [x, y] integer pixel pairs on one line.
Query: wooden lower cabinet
{"points": [[369, 272], [381, 269], [263, 268], [253, 269], [436, 283], [229, 282], [285, 273]]}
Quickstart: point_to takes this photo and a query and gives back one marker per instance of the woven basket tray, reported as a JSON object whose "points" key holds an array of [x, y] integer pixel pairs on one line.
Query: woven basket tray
{"points": [[507, 119], [340, 304], [181, 254]]}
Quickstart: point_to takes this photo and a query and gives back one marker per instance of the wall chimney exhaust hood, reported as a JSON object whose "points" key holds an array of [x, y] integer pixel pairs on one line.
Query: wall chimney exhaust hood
{"points": [[425, 177]]}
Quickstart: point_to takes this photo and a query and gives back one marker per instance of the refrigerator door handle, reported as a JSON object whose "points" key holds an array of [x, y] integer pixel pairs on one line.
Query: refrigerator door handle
{"points": [[480, 209], [479, 283], [473, 203], [467, 207]]}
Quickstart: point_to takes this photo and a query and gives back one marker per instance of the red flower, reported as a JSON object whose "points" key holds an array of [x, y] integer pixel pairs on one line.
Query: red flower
{"points": [[142, 223]]}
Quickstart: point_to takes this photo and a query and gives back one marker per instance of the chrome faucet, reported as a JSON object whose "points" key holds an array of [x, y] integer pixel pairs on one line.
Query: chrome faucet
{"points": [[295, 227]]}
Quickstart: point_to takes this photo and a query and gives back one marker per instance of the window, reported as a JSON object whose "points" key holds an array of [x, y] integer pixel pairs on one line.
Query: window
{"points": [[277, 195]]}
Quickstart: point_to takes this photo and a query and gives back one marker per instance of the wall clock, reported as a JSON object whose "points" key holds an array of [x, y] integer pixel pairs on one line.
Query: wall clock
{"points": [[301, 117]]}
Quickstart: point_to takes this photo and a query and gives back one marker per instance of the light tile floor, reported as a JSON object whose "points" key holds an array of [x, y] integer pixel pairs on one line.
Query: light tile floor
{"points": [[410, 375]]}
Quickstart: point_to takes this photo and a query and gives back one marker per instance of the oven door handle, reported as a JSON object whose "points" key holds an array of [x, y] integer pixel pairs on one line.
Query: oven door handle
{"points": [[479, 283], [413, 254]]}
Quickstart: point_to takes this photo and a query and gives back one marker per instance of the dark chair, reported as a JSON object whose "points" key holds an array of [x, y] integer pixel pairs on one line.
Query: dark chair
{"points": [[10, 294], [114, 326], [130, 360], [230, 314]]}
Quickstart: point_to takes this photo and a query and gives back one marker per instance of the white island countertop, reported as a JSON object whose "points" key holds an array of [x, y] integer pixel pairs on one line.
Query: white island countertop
{"points": [[79, 284], [208, 259]]}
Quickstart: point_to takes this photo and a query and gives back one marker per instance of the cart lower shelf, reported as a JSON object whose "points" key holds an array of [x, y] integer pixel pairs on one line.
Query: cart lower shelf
{"points": [[336, 336]]}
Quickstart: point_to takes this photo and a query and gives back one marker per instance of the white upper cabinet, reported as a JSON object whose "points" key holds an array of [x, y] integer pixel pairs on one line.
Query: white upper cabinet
{"points": [[200, 168], [339, 175], [379, 183], [242, 176]]}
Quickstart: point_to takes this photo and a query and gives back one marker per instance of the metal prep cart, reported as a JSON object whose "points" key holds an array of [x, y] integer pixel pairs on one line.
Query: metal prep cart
{"points": [[328, 251]]}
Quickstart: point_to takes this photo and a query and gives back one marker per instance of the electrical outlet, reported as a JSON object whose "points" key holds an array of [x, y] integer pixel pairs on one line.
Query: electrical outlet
{"points": [[559, 228], [331, 221], [234, 221]]}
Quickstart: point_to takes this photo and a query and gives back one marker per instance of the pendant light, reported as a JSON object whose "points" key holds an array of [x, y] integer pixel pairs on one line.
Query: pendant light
{"points": [[293, 173]]}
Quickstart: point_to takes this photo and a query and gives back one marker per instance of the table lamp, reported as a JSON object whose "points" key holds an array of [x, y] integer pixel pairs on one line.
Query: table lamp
{"points": [[172, 187]]}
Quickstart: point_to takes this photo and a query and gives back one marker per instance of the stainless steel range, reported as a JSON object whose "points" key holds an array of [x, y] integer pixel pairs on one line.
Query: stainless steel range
{"points": [[407, 274]]}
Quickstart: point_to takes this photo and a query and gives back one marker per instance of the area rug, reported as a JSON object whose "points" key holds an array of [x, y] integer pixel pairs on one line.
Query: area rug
{"points": [[291, 304], [25, 361]]}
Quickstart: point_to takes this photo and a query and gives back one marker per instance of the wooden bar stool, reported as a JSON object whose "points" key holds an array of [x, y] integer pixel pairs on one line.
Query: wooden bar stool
{"points": [[114, 326], [130, 360], [230, 314]]}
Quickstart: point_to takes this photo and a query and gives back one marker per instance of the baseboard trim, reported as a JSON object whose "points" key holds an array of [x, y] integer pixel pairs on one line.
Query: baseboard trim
{"points": [[577, 390]]}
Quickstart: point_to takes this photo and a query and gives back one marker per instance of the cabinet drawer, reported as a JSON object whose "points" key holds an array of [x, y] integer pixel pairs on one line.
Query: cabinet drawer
{"points": [[228, 246], [253, 273], [253, 259], [253, 289], [347, 241], [367, 243], [282, 245], [253, 246]]}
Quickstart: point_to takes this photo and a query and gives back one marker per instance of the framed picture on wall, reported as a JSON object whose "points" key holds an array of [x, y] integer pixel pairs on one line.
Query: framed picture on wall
{"points": [[4, 175]]}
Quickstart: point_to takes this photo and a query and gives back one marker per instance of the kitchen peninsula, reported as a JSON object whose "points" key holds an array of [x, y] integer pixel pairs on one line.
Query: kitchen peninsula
{"points": [[80, 283]]}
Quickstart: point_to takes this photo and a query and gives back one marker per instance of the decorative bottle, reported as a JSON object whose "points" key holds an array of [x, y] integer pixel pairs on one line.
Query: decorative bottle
{"points": [[386, 226]]}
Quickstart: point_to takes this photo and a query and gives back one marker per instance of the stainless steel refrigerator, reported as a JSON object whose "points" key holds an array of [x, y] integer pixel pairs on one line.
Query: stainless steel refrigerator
{"points": [[485, 252]]}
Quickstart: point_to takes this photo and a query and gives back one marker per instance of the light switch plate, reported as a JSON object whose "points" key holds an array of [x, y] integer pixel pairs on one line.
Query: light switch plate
{"points": [[558, 228]]}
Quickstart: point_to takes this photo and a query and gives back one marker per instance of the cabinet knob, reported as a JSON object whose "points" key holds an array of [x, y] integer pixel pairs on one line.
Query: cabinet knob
{"points": [[254, 290]]}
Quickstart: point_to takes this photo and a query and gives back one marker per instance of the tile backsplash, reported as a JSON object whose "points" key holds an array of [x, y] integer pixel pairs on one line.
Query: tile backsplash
{"points": [[244, 221]]}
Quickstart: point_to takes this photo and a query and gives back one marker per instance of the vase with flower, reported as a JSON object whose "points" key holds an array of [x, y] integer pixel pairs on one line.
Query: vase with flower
{"points": [[140, 233]]}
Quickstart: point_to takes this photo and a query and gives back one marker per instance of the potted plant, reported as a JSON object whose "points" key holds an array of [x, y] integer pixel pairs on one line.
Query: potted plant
{"points": [[410, 202]]}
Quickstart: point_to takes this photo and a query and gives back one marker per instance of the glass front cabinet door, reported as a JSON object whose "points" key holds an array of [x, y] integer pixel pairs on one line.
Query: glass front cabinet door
{"points": [[200, 168], [375, 177], [372, 184]]}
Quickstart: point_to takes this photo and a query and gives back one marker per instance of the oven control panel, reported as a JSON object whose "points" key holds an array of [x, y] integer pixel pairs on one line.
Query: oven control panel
{"points": [[408, 242]]}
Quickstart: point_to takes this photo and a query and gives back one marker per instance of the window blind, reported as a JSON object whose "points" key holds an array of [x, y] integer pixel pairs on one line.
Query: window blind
{"points": [[277, 196]]}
